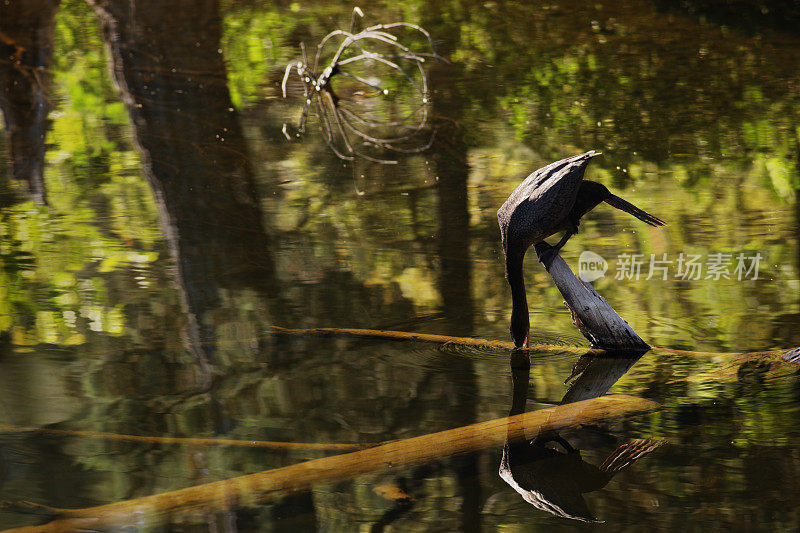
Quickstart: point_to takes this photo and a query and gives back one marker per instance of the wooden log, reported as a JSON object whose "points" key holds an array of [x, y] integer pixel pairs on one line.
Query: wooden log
{"points": [[427, 337], [592, 314], [780, 355], [149, 511]]}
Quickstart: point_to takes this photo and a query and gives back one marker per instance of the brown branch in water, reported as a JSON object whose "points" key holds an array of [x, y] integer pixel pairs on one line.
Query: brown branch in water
{"points": [[147, 512], [426, 337], [777, 355], [183, 441]]}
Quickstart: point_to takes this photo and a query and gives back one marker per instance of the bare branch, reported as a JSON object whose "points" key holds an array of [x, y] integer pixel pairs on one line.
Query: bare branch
{"points": [[347, 132]]}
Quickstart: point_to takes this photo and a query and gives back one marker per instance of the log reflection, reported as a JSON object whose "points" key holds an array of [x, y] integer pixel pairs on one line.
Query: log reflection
{"points": [[593, 375]]}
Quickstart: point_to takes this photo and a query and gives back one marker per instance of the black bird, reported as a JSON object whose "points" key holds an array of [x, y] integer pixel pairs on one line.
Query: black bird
{"points": [[551, 199]]}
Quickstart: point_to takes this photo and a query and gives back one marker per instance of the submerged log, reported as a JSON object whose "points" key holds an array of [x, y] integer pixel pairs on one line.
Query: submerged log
{"points": [[592, 314], [420, 337], [148, 511], [780, 355], [604, 366]]}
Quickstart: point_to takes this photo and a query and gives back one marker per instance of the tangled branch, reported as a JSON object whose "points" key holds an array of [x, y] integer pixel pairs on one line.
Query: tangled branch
{"points": [[382, 98]]}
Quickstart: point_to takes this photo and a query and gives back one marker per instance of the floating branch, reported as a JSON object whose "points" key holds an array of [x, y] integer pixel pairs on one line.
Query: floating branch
{"points": [[768, 356], [382, 99], [728, 365], [427, 337], [547, 471], [183, 441]]}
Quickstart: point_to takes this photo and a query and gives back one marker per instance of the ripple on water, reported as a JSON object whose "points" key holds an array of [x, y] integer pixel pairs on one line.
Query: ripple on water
{"points": [[479, 352], [488, 352]]}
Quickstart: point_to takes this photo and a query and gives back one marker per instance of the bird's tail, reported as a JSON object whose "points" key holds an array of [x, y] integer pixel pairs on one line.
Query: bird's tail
{"points": [[629, 453], [628, 207]]}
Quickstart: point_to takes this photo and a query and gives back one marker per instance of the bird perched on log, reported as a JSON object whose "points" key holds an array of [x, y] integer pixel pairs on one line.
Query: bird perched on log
{"points": [[551, 199]]}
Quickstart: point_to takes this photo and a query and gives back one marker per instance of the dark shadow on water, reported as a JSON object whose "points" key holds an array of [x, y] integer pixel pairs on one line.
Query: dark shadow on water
{"points": [[593, 375], [166, 60], [752, 17], [449, 155], [173, 81]]}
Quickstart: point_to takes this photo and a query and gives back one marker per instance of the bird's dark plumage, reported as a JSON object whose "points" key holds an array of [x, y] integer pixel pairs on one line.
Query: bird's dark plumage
{"points": [[551, 199]]}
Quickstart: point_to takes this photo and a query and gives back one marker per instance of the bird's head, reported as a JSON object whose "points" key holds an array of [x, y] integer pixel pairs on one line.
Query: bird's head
{"points": [[520, 327]]}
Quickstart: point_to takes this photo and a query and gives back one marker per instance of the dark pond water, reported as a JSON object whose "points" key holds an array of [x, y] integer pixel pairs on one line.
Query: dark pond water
{"points": [[160, 215]]}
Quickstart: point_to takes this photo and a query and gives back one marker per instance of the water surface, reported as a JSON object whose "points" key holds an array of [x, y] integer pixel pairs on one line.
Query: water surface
{"points": [[175, 224]]}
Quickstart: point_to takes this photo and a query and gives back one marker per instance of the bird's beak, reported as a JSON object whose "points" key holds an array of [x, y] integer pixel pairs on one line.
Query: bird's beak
{"points": [[525, 343]]}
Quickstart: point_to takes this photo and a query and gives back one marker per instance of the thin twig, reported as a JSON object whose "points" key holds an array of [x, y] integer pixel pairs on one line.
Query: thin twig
{"points": [[334, 121], [183, 441]]}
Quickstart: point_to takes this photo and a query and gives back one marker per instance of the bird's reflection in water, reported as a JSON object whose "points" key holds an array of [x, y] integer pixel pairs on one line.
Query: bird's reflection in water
{"points": [[547, 471]]}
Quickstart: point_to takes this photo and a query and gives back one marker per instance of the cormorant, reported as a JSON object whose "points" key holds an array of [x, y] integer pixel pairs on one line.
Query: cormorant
{"points": [[551, 199]]}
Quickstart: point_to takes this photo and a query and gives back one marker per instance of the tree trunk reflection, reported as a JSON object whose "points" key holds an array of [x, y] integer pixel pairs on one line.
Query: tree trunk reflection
{"points": [[26, 52], [166, 60], [455, 271]]}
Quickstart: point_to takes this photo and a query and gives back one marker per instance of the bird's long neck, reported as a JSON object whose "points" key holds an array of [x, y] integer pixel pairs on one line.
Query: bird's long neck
{"points": [[515, 278], [519, 300]]}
